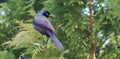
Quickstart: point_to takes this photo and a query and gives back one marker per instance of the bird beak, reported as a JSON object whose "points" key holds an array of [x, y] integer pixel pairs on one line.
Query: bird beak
{"points": [[51, 15]]}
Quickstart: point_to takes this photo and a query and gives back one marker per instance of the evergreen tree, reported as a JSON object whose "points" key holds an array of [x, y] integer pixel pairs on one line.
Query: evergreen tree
{"points": [[84, 31]]}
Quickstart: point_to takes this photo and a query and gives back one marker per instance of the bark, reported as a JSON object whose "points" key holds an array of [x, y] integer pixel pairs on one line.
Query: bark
{"points": [[91, 28]]}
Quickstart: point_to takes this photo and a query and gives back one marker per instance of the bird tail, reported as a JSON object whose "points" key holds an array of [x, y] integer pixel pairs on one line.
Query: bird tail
{"points": [[56, 41]]}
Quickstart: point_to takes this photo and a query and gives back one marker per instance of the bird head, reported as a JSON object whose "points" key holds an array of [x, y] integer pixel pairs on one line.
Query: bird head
{"points": [[45, 13]]}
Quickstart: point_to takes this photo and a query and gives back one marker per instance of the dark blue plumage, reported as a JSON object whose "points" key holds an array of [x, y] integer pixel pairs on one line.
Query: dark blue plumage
{"points": [[43, 25]]}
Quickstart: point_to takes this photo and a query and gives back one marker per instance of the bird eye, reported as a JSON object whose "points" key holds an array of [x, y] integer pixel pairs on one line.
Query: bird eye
{"points": [[47, 14]]}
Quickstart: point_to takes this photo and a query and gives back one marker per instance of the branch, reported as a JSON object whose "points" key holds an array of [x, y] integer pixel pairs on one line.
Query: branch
{"points": [[92, 42]]}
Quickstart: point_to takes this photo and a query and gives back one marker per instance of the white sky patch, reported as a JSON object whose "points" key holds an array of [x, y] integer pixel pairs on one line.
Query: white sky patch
{"points": [[100, 33], [107, 41], [3, 13], [103, 4], [86, 11]]}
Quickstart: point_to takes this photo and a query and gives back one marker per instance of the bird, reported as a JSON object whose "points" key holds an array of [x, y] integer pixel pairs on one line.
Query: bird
{"points": [[44, 26]]}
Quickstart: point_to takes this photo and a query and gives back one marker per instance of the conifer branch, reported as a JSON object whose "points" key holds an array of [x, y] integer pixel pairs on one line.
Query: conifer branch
{"points": [[91, 30]]}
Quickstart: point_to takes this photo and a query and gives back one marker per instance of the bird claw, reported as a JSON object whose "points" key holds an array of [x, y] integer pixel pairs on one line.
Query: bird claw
{"points": [[45, 41]]}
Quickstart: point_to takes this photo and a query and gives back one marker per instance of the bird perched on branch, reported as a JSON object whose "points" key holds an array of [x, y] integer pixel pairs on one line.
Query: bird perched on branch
{"points": [[44, 26]]}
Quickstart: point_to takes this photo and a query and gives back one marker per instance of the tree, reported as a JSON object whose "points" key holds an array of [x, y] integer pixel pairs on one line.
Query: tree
{"points": [[73, 26]]}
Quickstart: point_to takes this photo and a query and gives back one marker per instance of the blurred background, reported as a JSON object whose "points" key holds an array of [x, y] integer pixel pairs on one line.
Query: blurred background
{"points": [[19, 39]]}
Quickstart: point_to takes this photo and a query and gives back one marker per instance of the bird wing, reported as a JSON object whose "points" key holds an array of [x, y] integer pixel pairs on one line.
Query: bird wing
{"points": [[43, 22]]}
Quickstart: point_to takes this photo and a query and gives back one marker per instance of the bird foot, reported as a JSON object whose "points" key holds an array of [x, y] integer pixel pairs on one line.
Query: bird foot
{"points": [[45, 41]]}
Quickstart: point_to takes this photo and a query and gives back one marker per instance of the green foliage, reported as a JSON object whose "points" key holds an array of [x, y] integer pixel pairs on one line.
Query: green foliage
{"points": [[6, 55], [17, 33], [13, 11], [30, 39], [114, 6]]}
